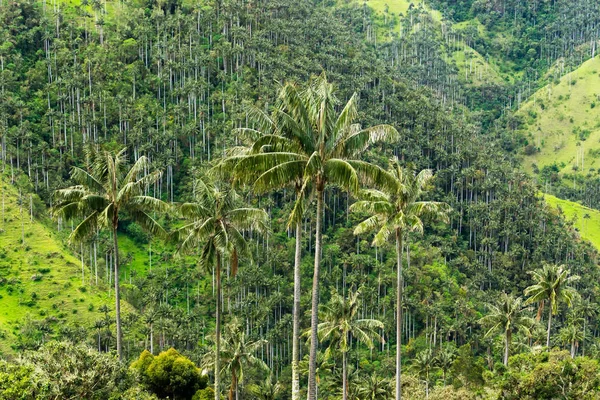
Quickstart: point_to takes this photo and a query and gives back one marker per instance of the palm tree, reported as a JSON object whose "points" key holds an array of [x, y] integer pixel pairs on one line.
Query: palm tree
{"points": [[321, 148], [215, 223], [270, 138], [588, 310], [99, 197], [266, 390], [324, 366], [571, 335], [424, 363], [552, 285], [507, 314], [375, 388], [341, 324], [444, 360], [237, 355], [397, 209]]}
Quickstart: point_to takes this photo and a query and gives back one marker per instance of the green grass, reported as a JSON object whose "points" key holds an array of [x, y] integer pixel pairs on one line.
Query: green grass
{"points": [[589, 228], [40, 277], [555, 115]]}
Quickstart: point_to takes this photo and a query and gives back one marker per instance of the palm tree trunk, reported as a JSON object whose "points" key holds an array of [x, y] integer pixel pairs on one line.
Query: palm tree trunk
{"points": [[296, 317], [345, 375], [117, 294], [583, 341], [314, 319], [399, 314], [549, 326], [218, 331], [233, 388], [506, 347], [573, 349]]}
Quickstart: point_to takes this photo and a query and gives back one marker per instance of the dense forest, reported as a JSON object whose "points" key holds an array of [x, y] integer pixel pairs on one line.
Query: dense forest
{"points": [[282, 199]]}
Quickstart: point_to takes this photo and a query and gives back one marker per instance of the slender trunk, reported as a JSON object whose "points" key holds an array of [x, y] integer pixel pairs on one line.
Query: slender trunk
{"points": [[399, 314], [233, 388], [573, 349], [506, 347], [152, 339], [314, 320], [218, 332], [296, 322], [583, 341], [549, 326], [345, 375], [117, 293]]}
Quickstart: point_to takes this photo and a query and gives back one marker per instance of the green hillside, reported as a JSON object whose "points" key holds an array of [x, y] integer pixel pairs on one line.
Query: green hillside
{"points": [[473, 68], [562, 122], [40, 281], [585, 220]]}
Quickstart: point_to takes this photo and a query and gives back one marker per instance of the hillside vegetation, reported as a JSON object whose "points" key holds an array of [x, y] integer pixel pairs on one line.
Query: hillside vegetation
{"points": [[586, 220], [318, 200], [562, 123], [41, 282]]}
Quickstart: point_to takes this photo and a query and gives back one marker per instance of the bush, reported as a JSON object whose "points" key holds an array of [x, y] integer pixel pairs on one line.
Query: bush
{"points": [[169, 374], [551, 376]]}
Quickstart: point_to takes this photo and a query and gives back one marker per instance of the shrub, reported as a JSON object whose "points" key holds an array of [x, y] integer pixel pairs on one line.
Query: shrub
{"points": [[169, 374]]}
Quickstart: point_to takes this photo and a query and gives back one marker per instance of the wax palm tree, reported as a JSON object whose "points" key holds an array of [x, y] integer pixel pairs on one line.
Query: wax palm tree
{"points": [[341, 324], [444, 360], [571, 335], [238, 354], [268, 389], [215, 223], [317, 147], [100, 196], [424, 364], [395, 210], [552, 285], [509, 315], [375, 387], [588, 310], [324, 366]]}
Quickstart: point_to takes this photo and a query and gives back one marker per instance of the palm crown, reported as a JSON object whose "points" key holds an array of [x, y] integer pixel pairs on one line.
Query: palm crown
{"points": [[398, 206], [106, 189]]}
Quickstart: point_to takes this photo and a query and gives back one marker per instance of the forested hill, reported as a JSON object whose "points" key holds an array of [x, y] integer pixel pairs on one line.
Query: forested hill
{"points": [[243, 164]]}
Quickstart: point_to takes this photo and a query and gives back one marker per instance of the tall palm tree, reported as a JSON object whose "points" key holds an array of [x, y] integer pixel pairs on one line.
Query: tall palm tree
{"points": [[269, 138], [318, 147], [424, 363], [100, 196], [341, 324], [509, 315], [215, 223], [588, 310], [552, 285], [237, 355], [395, 210]]}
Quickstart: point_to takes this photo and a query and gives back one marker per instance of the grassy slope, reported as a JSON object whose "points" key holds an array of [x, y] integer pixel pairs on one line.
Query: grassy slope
{"points": [[556, 110], [472, 66], [61, 298], [588, 228]]}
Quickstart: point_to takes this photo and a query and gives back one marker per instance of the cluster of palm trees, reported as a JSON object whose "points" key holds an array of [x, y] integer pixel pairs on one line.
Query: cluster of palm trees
{"points": [[304, 143], [510, 314]]}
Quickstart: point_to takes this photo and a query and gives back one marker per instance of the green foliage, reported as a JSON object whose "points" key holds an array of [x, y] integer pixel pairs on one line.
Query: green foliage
{"points": [[551, 375], [467, 370], [169, 374], [17, 382]]}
